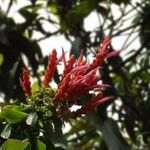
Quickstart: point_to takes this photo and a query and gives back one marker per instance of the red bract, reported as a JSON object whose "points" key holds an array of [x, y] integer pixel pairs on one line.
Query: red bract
{"points": [[81, 77], [78, 82], [103, 52], [68, 66], [95, 101], [25, 82], [52, 62]]}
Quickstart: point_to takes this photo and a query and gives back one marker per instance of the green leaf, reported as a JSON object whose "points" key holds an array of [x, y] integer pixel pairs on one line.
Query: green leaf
{"points": [[14, 68], [1, 116], [13, 144], [1, 59], [112, 135], [10, 77], [32, 119], [26, 13], [6, 132], [40, 145], [53, 7], [102, 10], [110, 132], [35, 87], [13, 114], [77, 13], [77, 126], [32, 8]]}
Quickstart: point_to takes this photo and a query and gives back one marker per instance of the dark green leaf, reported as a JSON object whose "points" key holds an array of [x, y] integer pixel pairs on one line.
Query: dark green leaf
{"points": [[10, 77], [58, 137], [112, 136], [102, 10], [76, 46], [13, 144], [110, 132], [24, 45], [13, 70], [77, 13], [40, 145], [56, 76], [34, 8], [26, 14]]}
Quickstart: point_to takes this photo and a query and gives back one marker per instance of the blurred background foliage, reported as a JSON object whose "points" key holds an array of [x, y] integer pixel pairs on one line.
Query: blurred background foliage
{"points": [[125, 124]]}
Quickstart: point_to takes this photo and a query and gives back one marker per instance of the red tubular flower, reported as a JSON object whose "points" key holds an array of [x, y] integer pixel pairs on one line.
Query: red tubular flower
{"points": [[68, 66], [25, 82], [94, 102], [52, 62], [103, 53]]}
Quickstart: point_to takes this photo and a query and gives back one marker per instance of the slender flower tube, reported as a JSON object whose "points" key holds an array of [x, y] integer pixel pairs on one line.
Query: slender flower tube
{"points": [[68, 66], [25, 82]]}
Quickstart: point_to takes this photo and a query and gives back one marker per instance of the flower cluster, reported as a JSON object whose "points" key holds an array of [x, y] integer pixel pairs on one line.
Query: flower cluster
{"points": [[78, 79], [25, 82], [52, 62]]}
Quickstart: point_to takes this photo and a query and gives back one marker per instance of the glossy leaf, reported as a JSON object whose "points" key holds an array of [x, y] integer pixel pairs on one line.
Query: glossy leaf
{"points": [[32, 119], [6, 132], [13, 144], [112, 136], [35, 87], [110, 132], [13, 114], [40, 145]]}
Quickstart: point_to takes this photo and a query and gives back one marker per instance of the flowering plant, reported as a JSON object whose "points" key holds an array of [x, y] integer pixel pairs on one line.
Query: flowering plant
{"points": [[46, 108], [78, 79]]}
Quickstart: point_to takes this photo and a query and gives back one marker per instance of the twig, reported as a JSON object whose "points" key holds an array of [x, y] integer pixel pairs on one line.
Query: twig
{"points": [[47, 35], [136, 53], [125, 29], [9, 6]]}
